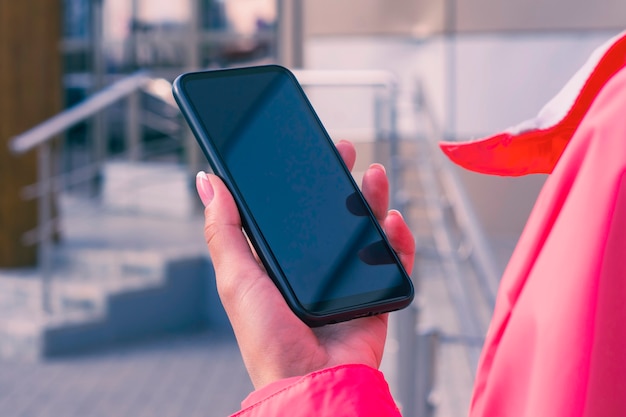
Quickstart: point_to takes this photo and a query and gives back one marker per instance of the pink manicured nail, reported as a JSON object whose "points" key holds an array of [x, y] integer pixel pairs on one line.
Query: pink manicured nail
{"points": [[205, 190]]}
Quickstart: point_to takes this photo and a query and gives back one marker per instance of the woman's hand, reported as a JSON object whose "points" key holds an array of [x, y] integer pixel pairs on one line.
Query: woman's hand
{"points": [[274, 343]]}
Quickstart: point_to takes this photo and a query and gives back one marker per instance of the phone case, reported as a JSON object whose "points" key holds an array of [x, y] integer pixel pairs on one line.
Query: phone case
{"points": [[251, 228]]}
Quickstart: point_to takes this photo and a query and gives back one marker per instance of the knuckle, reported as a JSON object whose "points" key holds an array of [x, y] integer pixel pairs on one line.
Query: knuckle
{"points": [[211, 234]]}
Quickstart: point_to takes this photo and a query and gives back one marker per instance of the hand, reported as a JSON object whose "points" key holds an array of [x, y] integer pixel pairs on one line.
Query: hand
{"points": [[274, 343]]}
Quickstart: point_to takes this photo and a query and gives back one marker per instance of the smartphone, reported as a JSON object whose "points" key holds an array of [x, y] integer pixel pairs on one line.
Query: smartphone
{"points": [[300, 207]]}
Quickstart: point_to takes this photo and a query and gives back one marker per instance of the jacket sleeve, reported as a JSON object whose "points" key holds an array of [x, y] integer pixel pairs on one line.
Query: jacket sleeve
{"points": [[346, 390]]}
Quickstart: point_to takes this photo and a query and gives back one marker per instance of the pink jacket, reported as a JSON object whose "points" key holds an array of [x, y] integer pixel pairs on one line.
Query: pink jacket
{"points": [[342, 391], [556, 345], [557, 342]]}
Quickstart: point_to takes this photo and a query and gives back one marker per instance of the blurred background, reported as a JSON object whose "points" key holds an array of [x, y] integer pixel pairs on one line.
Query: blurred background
{"points": [[107, 298]]}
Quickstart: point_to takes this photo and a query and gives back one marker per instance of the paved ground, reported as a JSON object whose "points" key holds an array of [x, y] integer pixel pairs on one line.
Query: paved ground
{"points": [[186, 375]]}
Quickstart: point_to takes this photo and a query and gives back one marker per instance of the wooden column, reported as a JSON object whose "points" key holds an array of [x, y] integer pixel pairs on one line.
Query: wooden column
{"points": [[30, 92]]}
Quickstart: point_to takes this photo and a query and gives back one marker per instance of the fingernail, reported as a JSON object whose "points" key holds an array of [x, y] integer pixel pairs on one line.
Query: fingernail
{"points": [[379, 166], [205, 190], [395, 212]]}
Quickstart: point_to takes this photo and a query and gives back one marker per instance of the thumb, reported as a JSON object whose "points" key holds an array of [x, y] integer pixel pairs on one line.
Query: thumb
{"points": [[232, 258]]}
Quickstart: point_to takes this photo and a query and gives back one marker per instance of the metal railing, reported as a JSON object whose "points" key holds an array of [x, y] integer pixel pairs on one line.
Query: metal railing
{"points": [[50, 183], [469, 264], [407, 381], [127, 89]]}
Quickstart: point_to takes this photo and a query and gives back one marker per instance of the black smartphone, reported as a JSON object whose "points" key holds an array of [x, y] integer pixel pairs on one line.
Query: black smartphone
{"points": [[300, 207]]}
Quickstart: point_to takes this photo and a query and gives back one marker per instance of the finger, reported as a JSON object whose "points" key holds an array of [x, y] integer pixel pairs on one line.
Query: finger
{"points": [[231, 255], [376, 190], [401, 239], [348, 153], [256, 255]]}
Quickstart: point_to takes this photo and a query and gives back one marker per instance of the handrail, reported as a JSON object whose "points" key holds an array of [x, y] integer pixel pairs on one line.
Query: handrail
{"points": [[405, 320], [489, 272], [41, 137], [442, 179], [345, 78], [482, 254], [66, 119], [61, 122]]}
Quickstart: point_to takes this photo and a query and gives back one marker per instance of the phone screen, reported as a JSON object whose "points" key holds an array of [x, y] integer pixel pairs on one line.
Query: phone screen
{"points": [[295, 188]]}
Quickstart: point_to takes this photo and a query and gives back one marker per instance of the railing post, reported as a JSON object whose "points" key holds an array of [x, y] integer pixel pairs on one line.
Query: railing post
{"points": [[406, 325], [45, 228], [192, 150], [133, 126], [394, 151], [99, 131], [405, 320], [379, 129], [196, 38], [290, 33], [427, 349]]}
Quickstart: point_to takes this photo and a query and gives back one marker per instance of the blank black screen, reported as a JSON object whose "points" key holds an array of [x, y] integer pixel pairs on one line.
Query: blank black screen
{"points": [[291, 180]]}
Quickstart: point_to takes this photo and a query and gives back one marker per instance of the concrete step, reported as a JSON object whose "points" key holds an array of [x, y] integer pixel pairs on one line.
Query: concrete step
{"points": [[149, 189], [89, 314], [80, 280]]}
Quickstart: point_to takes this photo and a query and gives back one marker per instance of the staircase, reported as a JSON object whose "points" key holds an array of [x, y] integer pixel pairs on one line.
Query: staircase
{"points": [[130, 265]]}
